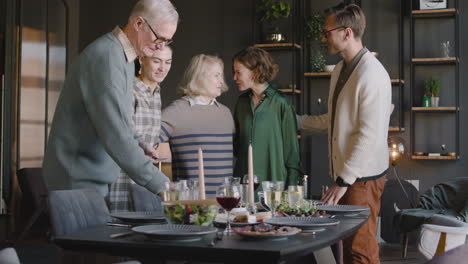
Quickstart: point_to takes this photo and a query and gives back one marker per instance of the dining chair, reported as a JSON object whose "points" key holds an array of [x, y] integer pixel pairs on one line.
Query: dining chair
{"points": [[442, 234], [34, 198], [72, 210]]}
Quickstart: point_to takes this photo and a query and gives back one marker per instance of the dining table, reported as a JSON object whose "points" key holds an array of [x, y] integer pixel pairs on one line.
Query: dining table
{"points": [[299, 248]]}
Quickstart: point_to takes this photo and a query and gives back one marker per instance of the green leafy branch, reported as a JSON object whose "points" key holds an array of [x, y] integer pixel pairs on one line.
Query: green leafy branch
{"points": [[271, 10]]}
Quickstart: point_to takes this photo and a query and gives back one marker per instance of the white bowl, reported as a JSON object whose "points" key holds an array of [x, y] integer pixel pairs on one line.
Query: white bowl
{"points": [[329, 68]]}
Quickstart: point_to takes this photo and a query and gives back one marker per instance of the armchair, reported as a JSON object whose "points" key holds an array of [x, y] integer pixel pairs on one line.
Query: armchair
{"points": [[442, 234], [448, 198]]}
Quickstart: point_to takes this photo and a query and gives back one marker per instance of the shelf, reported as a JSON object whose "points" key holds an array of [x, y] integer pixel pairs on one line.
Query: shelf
{"points": [[446, 12], [396, 129], [278, 46], [435, 109], [317, 74], [296, 91], [426, 157], [398, 81], [434, 60]]}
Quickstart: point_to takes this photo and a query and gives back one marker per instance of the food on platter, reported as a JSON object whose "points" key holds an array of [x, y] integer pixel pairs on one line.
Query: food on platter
{"points": [[266, 230]]}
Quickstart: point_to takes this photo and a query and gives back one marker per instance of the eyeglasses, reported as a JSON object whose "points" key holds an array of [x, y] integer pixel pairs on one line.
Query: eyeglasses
{"points": [[158, 40], [326, 32]]}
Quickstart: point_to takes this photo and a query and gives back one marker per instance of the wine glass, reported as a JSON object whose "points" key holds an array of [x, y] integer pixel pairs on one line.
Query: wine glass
{"points": [[245, 180], [228, 196], [273, 192]]}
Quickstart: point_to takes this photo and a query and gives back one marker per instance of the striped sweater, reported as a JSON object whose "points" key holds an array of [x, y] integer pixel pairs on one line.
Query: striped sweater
{"points": [[209, 127]]}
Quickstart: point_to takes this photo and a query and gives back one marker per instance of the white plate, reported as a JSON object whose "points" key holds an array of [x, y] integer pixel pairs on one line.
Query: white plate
{"points": [[174, 232], [140, 217], [306, 223]]}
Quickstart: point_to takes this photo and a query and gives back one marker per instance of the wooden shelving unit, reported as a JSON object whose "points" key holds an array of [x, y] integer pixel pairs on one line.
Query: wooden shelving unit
{"points": [[396, 129], [397, 81], [317, 74], [296, 91], [425, 157], [431, 21], [434, 60], [446, 12], [435, 109], [288, 45]]}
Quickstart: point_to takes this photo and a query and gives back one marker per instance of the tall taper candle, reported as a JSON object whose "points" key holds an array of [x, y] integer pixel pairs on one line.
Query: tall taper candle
{"points": [[201, 176], [250, 175]]}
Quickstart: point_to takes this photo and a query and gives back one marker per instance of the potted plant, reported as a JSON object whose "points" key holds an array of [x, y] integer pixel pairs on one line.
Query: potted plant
{"points": [[434, 87], [271, 11], [313, 27], [426, 101]]}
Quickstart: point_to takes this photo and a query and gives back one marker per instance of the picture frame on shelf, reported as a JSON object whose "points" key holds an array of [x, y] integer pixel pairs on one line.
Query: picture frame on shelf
{"points": [[429, 4]]}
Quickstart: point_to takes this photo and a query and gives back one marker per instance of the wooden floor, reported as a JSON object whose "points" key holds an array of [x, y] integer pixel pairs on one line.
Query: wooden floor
{"points": [[391, 254]]}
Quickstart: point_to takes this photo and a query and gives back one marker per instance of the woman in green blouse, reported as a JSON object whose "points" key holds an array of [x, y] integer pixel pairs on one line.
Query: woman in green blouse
{"points": [[265, 118]]}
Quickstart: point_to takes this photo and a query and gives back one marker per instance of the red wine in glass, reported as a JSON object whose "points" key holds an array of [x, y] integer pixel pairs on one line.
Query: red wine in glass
{"points": [[227, 202]]}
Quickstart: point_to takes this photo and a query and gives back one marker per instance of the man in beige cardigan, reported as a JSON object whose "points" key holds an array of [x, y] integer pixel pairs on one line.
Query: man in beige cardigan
{"points": [[359, 106]]}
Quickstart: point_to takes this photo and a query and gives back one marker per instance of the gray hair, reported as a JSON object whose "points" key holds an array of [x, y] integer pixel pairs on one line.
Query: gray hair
{"points": [[157, 11], [193, 80]]}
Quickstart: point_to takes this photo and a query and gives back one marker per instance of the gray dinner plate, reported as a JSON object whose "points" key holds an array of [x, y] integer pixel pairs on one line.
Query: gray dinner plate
{"points": [[342, 209], [171, 232], [140, 217], [305, 223]]}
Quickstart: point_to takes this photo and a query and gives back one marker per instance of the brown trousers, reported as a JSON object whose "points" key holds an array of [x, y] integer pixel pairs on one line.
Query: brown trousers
{"points": [[362, 246]]}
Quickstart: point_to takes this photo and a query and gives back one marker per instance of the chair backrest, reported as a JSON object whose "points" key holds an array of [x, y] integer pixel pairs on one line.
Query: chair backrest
{"points": [[456, 255], [9, 256], [32, 186], [73, 210], [144, 200], [393, 194]]}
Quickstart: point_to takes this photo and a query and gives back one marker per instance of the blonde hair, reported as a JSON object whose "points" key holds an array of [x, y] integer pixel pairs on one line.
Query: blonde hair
{"points": [[157, 11], [350, 16], [193, 80]]}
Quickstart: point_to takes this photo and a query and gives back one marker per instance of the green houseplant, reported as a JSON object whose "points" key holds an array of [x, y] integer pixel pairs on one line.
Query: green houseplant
{"points": [[313, 27], [270, 13], [433, 86]]}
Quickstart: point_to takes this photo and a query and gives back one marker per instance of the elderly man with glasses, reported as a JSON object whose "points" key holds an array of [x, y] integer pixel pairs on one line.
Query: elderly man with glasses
{"points": [[359, 106], [91, 136]]}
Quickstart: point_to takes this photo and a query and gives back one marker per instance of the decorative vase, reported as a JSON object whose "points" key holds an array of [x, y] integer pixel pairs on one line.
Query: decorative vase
{"points": [[426, 102], [435, 101], [275, 36]]}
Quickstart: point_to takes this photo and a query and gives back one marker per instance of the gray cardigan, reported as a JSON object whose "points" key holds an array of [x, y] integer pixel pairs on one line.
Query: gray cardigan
{"points": [[91, 134]]}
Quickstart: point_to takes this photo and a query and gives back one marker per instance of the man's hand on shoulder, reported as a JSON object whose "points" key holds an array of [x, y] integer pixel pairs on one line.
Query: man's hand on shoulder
{"points": [[334, 194]]}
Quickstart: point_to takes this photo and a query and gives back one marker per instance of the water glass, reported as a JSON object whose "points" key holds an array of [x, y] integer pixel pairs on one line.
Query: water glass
{"points": [[182, 187], [193, 189], [295, 195]]}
